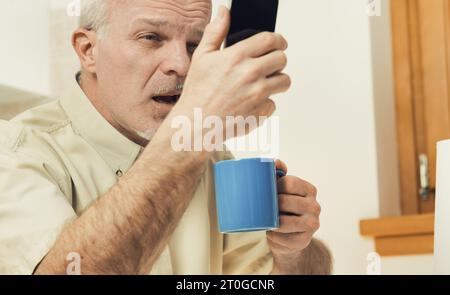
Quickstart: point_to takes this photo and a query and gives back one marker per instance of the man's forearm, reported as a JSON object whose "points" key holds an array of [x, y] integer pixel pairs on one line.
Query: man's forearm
{"points": [[126, 230], [315, 259]]}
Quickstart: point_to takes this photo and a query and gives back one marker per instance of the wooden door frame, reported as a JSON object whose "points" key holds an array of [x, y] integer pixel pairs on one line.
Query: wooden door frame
{"points": [[422, 79], [405, 57]]}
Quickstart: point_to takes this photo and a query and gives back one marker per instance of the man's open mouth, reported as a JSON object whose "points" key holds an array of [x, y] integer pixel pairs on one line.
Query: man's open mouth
{"points": [[167, 99]]}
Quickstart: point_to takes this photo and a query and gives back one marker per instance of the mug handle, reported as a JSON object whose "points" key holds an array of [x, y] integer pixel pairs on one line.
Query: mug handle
{"points": [[280, 173]]}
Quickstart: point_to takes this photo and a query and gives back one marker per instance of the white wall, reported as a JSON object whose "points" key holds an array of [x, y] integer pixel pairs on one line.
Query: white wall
{"points": [[24, 50], [384, 110], [64, 62], [327, 119], [408, 265]]}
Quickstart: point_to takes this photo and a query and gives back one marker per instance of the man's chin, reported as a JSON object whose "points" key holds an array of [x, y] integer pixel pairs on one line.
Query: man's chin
{"points": [[146, 135]]}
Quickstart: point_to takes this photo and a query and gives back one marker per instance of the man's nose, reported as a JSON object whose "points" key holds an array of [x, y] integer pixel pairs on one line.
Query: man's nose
{"points": [[177, 60]]}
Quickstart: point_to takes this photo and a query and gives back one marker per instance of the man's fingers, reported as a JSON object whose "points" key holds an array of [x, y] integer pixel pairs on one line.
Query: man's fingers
{"points": [[277, 83], [267, 87], [215, 32], [289, 242], [298, 224], [270, 86], [265, 110], [261, 44], [292, 185], [281, 166], [272, 63], [291, 204]]}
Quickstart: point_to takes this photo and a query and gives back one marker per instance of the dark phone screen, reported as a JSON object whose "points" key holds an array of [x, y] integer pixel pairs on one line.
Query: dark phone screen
{"points": [[249, 17]]}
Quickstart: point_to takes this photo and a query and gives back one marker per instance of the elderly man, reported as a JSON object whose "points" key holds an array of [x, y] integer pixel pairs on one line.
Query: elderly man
{"points": [[91, 184]]}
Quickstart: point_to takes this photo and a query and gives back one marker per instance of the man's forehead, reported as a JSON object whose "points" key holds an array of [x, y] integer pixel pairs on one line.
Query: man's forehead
{"points": [[162, 12]]}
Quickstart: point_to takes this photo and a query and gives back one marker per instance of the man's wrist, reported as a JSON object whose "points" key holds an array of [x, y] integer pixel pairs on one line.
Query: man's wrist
{"points": [[287, 264], [315, 259]]}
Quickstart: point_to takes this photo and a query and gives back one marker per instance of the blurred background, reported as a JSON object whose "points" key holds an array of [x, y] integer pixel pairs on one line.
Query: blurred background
{"points": [[369, 101]]}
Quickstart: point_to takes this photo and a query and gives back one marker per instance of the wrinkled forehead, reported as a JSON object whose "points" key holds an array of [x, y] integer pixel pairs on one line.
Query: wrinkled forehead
{"points": [[180, 13]]}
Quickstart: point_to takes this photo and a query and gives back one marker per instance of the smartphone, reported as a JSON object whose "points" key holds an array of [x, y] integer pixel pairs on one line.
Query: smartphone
{"points": [[250, 17]]}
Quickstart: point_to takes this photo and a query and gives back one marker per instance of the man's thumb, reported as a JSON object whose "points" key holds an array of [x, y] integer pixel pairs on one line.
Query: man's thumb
{"points": [[215, 32]]}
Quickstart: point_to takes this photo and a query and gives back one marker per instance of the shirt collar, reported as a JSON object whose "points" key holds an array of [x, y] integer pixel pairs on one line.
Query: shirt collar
{"points": [[116, 150]]}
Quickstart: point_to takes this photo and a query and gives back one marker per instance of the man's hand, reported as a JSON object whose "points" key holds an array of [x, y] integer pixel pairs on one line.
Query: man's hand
{"points": [[236, 81], [299, 220]]}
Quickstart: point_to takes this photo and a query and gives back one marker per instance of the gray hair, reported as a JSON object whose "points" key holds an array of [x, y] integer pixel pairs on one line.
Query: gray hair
{"points": [[94, 15]]}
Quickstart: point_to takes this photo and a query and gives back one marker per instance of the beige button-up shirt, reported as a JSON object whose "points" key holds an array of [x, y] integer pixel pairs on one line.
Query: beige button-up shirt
{"points": [[58, 158]]}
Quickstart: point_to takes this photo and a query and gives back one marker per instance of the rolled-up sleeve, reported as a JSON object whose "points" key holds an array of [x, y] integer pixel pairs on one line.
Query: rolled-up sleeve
{"points": [[247, 254], [33, 211]]}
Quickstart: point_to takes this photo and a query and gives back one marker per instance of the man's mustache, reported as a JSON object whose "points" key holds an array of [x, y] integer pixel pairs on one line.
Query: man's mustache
{"points": [[177, 89]]}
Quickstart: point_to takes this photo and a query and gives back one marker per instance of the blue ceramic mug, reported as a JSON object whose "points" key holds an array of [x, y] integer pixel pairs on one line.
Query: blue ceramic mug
{"points": [[246, 195]]}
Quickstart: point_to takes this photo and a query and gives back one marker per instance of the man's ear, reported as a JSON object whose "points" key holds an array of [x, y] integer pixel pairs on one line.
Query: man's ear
{"points": [[84, 42]]}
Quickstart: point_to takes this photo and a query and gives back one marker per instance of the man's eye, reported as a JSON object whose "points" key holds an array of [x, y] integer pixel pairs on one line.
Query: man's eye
{"points": [[151, 37]]}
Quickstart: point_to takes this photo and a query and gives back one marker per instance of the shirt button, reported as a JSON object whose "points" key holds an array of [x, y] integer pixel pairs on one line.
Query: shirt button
{"points": [[119, 173]]}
